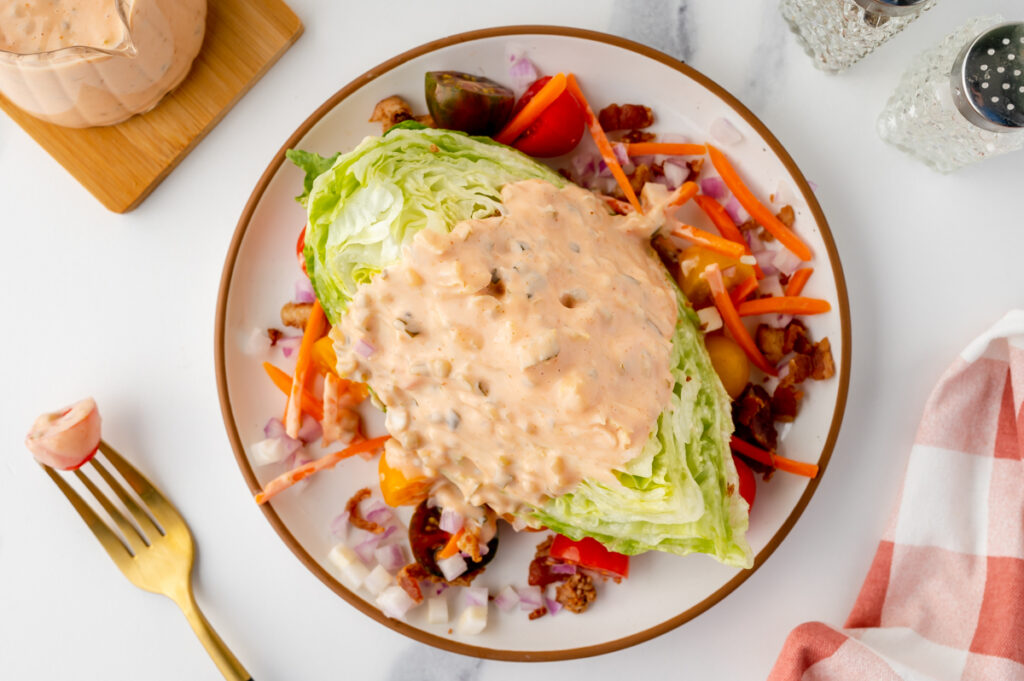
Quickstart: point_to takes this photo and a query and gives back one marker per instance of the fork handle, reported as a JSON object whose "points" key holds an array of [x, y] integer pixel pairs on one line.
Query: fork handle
{"points": [[226, 662]]}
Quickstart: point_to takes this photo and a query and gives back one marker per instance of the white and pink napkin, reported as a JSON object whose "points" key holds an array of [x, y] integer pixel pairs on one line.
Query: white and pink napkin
{"points": [[944, 597]]}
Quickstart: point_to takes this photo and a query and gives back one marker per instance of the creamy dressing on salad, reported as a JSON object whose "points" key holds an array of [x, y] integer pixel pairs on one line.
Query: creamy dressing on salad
{"points": [[518, 354]]}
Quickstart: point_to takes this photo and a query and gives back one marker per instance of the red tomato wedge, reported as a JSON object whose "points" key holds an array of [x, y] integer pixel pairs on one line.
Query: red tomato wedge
{"points": [[557, 130], [748, 485], [300, 246], [591, 554]]}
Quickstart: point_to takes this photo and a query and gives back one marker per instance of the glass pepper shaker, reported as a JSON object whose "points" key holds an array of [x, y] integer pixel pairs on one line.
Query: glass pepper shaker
{"points": [[839, 33], [963, 100]]}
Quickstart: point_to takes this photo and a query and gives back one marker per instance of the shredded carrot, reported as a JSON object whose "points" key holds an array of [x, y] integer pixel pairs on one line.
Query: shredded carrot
{"points": [[283, 482], [732, 320], [618, 207], [726, 227], [799, 279], [708, 240], [310, 403], [664, 148], [783, 305], [315, 327], [452, 547], [686, 191], [808, 470], [544, 98], [757, 209], [603, 145], [743, 290]]}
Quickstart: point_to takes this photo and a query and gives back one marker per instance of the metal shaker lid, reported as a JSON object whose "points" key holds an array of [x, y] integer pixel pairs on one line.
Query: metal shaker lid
{"points": [[988, 79], [893, 8]]}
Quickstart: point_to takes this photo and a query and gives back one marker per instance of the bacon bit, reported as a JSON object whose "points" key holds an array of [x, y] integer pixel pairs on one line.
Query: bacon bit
{"points": [[434, 148], [391, 111], [694, 168], [638, 136], [798, 340], [824, 365], [640, 176], [616, 117], [800, 368], [577, 592], [356, 517], [274, 335], [539, 612], [752, 413], [786, 216], [409, 579], [771, 342], [786, 403]]}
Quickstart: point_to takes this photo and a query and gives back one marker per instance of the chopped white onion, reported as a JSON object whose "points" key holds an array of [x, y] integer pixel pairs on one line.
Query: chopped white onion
{"points": [[310, 429], [530, 598], [506, 599], [725, 132], [348, 564], [771, 286], [675, 173], [437, 610], [451, 521], [710, 319], [476, 595], [452, 566], [391, 557], [394, 602], [378, 580], [785, 261], [472, 620], [551, 599], [273, 450]]}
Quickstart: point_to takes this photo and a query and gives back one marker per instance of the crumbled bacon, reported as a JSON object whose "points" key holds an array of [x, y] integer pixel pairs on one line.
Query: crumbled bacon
{"points": [[771, 342], [356, 517], [409, 579], [539, 612], [752, 414], [634, 136], [577, 592], [625, 116], [391, 111], [640, 176], [274, 335], [296, 314], [824, 365], [786, 216], [786, 402], [798, 369], [798, 340]]}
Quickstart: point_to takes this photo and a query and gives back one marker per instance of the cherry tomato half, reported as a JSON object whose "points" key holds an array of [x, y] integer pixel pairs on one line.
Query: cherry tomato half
{"points": [[300, 246], [590, 553], [557, 130], [748, 485]]}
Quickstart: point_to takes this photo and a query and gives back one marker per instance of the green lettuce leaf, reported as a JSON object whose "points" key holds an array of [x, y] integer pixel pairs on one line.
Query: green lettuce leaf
{"points": [[371, 201], [674, 496], [313, 165]]}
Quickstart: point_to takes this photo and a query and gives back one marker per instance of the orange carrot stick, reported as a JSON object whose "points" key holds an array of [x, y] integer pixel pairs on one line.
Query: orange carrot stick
{"points": [[283, 482], [708, 240], [726, 227], [293, 409], [551, 91], [798, 281], [757, 209], [452, 547], [783, 305], [743, 447], [743, 290], [664, 148], [603, 145], [686, 191], [310, 404], [732, 321]]}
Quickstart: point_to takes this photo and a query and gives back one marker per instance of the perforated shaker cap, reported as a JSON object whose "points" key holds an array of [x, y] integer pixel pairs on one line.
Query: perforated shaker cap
{"points": [[893, 8], [988, 79]]}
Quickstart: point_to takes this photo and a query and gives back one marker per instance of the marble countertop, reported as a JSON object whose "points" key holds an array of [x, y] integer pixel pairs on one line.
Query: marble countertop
{"points": [[122, 307]]}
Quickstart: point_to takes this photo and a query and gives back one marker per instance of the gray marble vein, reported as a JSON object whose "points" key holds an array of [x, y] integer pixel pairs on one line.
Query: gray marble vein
{"points": [[662, 24], [767, 60], [423, 663]]}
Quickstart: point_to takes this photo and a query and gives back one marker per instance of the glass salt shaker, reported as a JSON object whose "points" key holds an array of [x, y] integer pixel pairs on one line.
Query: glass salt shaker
{"points": [[839, 33], [963, 100]]}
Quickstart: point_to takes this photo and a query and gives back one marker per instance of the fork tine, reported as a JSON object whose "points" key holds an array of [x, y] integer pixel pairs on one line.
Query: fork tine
{"points": [[145, 523], [104, 534], [158, 505], [136, 542]]}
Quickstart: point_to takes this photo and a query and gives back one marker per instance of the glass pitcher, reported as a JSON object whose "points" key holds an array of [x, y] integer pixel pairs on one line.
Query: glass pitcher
{"points": [[80, 63]]}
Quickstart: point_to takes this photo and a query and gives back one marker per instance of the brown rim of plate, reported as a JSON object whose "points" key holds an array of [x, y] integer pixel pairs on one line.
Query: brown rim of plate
{"points": [[369, 609]]}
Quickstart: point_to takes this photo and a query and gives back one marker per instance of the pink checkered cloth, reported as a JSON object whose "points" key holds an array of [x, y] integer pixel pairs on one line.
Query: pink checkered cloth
{"points": [[944, 597]]}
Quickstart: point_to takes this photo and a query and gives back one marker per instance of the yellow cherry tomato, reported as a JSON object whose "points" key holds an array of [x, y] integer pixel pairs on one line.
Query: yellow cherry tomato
{"points": [[692, 262], [397, 489], [730, 363]]}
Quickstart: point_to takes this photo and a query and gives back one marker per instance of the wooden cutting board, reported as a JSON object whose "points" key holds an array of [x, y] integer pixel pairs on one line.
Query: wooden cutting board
{"points": [[121, 164]]}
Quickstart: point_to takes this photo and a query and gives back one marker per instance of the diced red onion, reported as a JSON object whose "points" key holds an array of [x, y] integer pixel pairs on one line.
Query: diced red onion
{"points": [[770, 285], [451, 521], [476, 595], [714, 187], [563, 569], [754, 241], [274, 428], [380, 514], [530, 598], [391, 557], [764, 259], [452, 566], [289, 344], [521, 70], [675, 172], [366, 549], [304, 290], [725, 132], [394, 602], [785, 262], [364, 348], [550, 599], [506, 599], [310, 429], [620, 153], [271, 450], [339, 525], [584, 165], [737, 212]]}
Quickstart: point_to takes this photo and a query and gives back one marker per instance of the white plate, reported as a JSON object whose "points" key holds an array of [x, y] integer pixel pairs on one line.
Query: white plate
{"points": [[663, 590]]}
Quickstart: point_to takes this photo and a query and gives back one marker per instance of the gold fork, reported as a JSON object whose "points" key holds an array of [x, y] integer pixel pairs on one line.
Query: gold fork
{"points": [[156, 555]]}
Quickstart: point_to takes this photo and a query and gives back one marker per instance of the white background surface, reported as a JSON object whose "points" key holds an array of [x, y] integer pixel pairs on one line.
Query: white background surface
{"points": [[122, 307]]}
